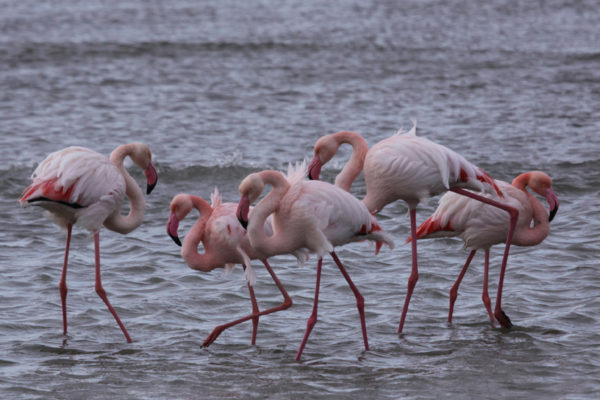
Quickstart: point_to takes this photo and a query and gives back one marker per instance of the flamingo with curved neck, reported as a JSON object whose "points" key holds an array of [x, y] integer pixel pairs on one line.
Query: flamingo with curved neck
{"points": [[481, 226], [78, 186], [308, 215], [225, 243]]}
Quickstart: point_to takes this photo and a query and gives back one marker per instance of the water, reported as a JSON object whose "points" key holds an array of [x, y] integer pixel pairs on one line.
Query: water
{"points": [[220, 90]]}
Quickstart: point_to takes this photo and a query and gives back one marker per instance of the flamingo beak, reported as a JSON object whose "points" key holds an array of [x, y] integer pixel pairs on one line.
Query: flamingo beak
{"points": [[314, 168], [172, 226], [151, 178], [552, 200], [243, 210]]}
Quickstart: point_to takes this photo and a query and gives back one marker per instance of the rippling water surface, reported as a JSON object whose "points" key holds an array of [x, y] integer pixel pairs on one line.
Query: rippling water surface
{"points": [[219, 90]]}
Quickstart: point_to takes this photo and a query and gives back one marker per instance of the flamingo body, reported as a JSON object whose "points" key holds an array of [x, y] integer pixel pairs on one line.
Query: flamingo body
{"points": [[77, 186], [413, 168]]}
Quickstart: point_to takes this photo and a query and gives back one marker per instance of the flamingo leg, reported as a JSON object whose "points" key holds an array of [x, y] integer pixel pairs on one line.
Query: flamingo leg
{"points": [[360, 300], [287, 302], [312, 320], [454, 290], [514, 216], [100, 290], [255, 311], [62, 286], [484, 294], [414, 275]]}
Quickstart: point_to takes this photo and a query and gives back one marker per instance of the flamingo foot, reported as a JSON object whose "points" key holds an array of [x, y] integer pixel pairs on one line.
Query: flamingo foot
{"points": [[213, 335], [503, 319]]}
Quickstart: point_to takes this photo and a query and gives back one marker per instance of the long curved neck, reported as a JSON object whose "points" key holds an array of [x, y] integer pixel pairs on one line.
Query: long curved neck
{"points": [[533, 235], [268, 245], [117, 222], [354, 165], [189, 250], [522, 181]]}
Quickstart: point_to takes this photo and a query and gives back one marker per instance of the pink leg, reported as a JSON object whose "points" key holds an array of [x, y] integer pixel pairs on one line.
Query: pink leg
{"points": [[255, 311], [514, 216], [100, 289], [312, 320], [454, 290], [414, 275], [360, 300], [484, 295], [62, 286], [287, 303]]}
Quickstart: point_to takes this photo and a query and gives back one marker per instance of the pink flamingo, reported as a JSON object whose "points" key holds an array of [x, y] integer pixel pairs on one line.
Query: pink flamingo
{"points": [[79, 186], [307, 214], [225, 243], [412, 168], [481, 226]]}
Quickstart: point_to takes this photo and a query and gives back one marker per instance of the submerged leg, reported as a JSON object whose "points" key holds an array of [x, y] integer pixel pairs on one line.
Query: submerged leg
{"points": [[62, 286], [312, 320], [484, 294], [287, 302], [454, 290], [414, 275], [360, 300], [514, 216], [100, 290]]}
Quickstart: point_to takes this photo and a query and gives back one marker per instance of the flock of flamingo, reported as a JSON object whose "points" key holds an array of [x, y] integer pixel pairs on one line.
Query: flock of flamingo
{"points": [[302, 215]]}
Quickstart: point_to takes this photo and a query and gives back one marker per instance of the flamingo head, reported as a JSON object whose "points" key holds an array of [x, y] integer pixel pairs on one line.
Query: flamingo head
{"points": [[142, 157], [250, 188], [324, 150], [180, 206], [541, 183]]}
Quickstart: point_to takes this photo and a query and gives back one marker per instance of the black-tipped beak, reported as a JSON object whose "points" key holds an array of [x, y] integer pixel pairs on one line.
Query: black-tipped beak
{"points": [[243, 210], [552, 213], [172, 226], [149, 188], [176, 240], [151, 178], [552, 200]]}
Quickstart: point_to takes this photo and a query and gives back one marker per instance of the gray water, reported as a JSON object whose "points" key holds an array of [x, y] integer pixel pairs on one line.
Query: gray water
{"points": [[222, 89]]}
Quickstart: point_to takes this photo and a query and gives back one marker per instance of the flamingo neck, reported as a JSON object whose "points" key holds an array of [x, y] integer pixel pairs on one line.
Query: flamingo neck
{"points": [[533, 235], [522, 181], [189, 250], [274, 244], [117, 222], [355, 164]]}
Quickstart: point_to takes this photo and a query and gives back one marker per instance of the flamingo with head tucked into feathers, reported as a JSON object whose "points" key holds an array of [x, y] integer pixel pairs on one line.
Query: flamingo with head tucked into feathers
{"points": [[313, 215], [78, 186], [481, 226], [412, 168], [225, 243]]}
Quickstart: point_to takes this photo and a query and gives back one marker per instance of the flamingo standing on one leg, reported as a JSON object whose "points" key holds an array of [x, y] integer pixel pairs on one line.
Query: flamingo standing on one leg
{"points": [[406, 166], [307, 214], [225, 244], [79, 186], [481, 226]]}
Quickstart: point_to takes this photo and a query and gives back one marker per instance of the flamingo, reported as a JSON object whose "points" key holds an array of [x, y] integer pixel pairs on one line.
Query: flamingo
{"points": [[480, 226], [313, 215], [412, 168], [78, 186], [225, 243]]}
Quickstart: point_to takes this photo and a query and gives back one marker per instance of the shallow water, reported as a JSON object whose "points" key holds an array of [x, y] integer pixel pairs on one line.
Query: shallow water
{"points": [[222, 90]]}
